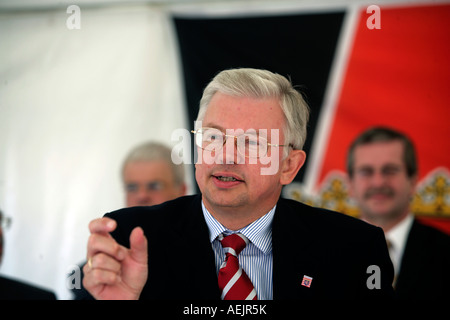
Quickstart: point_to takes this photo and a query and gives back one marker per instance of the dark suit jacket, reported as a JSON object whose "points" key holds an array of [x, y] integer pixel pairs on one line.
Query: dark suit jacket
{"points": [[425, 266], [11, 289], [334, 249]]}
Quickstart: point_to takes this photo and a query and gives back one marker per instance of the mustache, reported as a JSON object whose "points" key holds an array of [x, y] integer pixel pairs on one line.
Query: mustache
{"points": [[383, 191]]}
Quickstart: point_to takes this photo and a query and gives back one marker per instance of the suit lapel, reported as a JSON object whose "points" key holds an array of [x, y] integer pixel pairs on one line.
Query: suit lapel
{"points": [[293, 257], [415, 253], [196, 254]]}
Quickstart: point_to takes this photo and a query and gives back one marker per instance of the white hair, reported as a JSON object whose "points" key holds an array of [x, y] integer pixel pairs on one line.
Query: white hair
{"points": [[247, 82], [155, 151]]}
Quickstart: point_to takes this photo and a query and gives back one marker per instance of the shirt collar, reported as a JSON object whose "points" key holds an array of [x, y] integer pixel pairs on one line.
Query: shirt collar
{"points": [[398, 234], [259, 232]]}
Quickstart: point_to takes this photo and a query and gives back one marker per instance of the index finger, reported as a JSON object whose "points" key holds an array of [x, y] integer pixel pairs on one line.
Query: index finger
{"points": [[102, 225]]}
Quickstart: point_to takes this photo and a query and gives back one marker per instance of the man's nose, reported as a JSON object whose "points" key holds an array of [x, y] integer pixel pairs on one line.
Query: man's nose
{"points": [[143, 195], [231, 153], [378, 178]]}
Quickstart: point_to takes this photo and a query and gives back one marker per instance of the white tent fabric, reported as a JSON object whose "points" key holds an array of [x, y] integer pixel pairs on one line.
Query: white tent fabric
{"points": [[72, 103]]}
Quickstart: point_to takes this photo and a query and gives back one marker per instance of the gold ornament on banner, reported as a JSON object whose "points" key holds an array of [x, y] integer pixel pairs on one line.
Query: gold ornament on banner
{"points": [[432, 198]]}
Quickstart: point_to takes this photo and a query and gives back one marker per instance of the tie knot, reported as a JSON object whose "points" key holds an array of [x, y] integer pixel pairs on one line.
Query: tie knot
{"points": [[234, 243]]}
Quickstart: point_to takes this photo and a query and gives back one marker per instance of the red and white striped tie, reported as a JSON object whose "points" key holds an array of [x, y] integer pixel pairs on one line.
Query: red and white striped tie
{"points": [[233, 281]]}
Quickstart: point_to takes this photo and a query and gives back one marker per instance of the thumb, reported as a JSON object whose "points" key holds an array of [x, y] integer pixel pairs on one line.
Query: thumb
{"points": [[138, 246]]}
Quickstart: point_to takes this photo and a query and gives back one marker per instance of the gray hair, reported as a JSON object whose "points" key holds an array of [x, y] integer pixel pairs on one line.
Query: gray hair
{"points": [[247, 82], [155, 151]]}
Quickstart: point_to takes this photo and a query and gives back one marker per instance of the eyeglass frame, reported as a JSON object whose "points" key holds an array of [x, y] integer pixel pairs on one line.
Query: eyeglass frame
{"points": [[151, 186], [226, 136]]}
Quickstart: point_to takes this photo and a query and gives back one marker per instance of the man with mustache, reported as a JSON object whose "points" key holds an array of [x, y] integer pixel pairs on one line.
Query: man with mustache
{"points": [[382, 170], [238, 239]]}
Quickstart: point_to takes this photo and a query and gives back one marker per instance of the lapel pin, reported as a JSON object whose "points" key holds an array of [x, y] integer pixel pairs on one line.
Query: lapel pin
{"points": [[306, 282]]}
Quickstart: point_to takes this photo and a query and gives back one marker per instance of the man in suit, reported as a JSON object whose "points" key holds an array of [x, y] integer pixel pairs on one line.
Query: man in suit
{"points": [[250, 131], [14, 289], [382, 169]]}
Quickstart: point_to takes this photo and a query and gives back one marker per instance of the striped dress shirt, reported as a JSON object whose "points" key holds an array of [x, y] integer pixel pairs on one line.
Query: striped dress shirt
{"points": [[256, 258]]}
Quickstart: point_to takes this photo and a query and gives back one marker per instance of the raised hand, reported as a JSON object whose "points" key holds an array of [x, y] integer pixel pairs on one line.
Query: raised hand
{"points": [[114, 271]]}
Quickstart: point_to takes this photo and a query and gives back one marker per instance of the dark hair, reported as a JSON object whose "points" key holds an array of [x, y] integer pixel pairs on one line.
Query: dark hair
{"points": [[384, 134]]}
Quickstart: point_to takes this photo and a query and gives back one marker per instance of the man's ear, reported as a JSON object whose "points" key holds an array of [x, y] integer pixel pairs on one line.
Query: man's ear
{"points": [[291, 165]]}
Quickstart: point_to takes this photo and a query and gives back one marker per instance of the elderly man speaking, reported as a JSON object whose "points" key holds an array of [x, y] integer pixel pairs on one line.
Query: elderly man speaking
{"points": [[239, 239]]}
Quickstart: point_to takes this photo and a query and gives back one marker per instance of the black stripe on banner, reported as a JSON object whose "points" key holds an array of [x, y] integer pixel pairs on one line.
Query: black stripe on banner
{"points": [[299, 46]]}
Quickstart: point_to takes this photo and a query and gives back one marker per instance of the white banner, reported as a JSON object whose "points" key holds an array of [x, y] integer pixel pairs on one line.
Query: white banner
{"points": [[78, 90]]}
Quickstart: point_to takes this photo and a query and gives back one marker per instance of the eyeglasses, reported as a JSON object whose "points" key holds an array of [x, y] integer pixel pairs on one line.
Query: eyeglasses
{"points": [[150, 186], [248, 145]]}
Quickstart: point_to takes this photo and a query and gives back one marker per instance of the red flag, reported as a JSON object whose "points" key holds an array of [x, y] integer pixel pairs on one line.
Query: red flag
{"points": [[399, 76]]}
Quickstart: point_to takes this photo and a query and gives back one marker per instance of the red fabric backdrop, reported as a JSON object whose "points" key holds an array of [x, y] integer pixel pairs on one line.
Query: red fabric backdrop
{"points": [[399, 76]]}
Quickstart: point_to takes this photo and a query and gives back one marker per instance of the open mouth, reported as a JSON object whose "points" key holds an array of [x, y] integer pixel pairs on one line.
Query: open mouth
{"points": [[225, 179]]}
